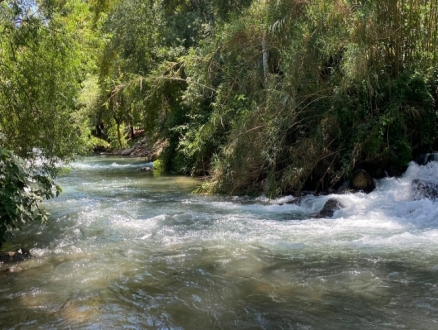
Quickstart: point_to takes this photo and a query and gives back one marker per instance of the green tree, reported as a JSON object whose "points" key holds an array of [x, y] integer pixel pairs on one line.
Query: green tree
{"points": [[44, 57], [307, 91], [273, 96]]}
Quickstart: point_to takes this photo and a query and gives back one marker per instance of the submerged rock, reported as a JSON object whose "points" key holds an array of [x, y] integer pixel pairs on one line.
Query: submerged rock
{"points": [[421, 189], [329, 208]]}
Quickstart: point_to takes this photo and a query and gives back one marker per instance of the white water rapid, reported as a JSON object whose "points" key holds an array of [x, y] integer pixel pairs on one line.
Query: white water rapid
{"points": [[126, 249]]}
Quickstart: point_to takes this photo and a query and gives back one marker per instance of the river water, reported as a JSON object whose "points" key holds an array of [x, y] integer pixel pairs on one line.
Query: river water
{"points": [[126, 249]]}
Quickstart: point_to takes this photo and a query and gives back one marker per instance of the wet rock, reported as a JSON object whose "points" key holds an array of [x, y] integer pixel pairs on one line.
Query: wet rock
{"points": [[126, 152], [329, 208], [382, 167], [295, 201], [423, 159], [298, 197], [362, 181], [421, 189], [22, 254], [7, 256], [146, 169], [345, 188], [396, 170], [15, 256]]}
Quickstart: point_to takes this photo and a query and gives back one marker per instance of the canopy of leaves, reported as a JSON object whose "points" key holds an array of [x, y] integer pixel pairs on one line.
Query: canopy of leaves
{"points": [[272, 96], [43, 60]]}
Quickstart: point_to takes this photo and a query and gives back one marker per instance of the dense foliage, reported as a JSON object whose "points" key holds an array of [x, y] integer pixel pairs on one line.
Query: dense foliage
{"points": [[273, 96], [43, 61], [44, 58], [21, 191], [257, 96]]}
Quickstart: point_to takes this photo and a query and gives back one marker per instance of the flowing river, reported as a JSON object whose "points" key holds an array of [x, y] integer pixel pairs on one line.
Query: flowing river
{"points": [[126, 249]]}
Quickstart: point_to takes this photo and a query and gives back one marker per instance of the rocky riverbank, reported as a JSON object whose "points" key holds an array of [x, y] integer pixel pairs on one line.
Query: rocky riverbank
{"points": [[144, 148]]}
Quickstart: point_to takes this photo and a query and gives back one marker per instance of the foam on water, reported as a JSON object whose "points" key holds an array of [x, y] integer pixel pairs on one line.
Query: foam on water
{"points": [[113, 165], [385, 218], [133, 248]]}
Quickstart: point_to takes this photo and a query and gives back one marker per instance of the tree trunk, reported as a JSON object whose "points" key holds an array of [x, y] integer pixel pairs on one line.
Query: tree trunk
{"points": [[131, 132], [265, 57]]}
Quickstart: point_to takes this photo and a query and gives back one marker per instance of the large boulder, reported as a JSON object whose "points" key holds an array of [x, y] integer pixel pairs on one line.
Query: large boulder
{"points": [[421, 189], [329, 208], [362, 181]]}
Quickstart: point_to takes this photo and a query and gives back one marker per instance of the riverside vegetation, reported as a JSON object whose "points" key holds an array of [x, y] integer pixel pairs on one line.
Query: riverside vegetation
{"points": [[271, 97]]}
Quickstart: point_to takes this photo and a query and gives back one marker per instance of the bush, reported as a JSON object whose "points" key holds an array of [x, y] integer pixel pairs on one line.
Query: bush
{"points": [[21, 191]]}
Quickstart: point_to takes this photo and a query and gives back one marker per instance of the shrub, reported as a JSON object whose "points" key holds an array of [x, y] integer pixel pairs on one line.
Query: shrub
{"points": [[21, 190]]}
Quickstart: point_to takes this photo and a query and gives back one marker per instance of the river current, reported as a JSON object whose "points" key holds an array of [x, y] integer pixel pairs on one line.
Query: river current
{"points": [[126, 249]]}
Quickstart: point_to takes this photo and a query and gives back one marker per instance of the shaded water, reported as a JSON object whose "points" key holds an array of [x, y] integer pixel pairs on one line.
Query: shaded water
{"points": [[128, 250]]}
